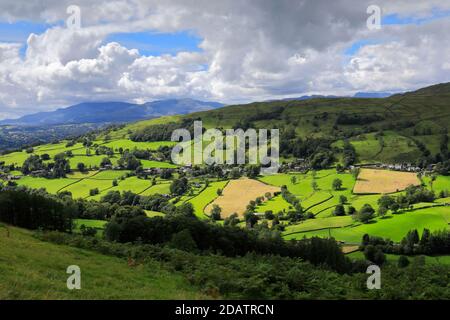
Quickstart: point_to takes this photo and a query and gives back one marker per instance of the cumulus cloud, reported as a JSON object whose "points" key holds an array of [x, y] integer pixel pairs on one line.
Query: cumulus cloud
{"points": [[250, 50]]}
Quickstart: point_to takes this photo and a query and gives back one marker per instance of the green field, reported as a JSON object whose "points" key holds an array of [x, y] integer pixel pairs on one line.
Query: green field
{"points": [[52, 186], [208, 195], [44, 266], [392, 258], [160, 188], [393, 227], [130, 145]]}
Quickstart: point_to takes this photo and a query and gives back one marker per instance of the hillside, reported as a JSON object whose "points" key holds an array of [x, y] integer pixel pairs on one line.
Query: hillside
{"points": [[382, 130], [44, 265]]}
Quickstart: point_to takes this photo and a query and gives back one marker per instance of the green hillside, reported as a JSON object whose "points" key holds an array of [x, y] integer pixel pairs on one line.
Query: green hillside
{"points": [[32, 269]]}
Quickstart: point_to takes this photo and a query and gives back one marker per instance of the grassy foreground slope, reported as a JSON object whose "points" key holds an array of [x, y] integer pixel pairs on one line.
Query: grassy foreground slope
{"points": [[32, 269]]}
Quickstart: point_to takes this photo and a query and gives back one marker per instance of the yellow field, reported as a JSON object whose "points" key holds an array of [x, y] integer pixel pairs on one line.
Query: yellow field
{"points": [[384, 181], [238, 193]]}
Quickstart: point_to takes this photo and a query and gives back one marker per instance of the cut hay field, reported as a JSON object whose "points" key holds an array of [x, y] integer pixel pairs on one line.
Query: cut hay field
{"points": [[383, 181], [237, 195]]}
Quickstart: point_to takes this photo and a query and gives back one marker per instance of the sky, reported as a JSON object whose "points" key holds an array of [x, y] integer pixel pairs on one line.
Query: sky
{"points": [[229, 51]]}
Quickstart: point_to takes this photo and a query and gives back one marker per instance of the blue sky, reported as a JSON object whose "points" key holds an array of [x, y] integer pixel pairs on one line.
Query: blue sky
{"points": [[247, 56], [148, 43], [396, 19], [155, 44]]}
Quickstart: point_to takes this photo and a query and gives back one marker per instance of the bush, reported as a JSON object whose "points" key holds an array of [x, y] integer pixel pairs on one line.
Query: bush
{"points": [[403, 262]]}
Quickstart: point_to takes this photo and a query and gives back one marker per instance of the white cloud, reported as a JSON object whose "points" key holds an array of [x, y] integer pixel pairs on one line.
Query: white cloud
{"points": [[251, 50]]}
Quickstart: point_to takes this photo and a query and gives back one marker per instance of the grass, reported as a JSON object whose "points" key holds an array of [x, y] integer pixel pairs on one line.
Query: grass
{"points": [[393, 258], [152, 214], [51, 185], [98, 224], [393, 227], [82, 188], [160, 188], [321, 223], [110, 174], [130, 145], [32, 269]]}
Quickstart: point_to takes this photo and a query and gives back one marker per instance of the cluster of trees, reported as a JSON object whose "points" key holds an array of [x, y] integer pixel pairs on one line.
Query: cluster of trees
{"points": [[129, 161], [413, 194], [357, 119], [33, 209], [429, 243], [349, 154], [179, 186], [317, 150], [57, 169], [193, 235]]}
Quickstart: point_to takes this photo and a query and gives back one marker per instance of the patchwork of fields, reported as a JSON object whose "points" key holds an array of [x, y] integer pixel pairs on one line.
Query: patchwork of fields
{"points": [[313, 189]]}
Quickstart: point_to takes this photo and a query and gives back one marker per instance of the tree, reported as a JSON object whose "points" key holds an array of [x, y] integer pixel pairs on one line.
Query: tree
{"points": [[179, 186], [314, 185], [268, 195], [337, 184], [351, 210], [232, 220], [219, 192], [252, 171], [61, 166], [105, 162], [374, 254], [81, 167], [115, 183], [293, 179], [339, 210], [32, 163], [87, 231], [395, 207], [251, 219], [342, 199], [186, 209], [365, 214], [403, 262], [183, 241], [215, 212], [382, 211], [94, 192], [269, 215], [129, 161], [386, 201]]}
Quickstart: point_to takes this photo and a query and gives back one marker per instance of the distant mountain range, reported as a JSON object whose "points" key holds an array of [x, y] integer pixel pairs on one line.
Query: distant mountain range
{"points": [[112, 112]]}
